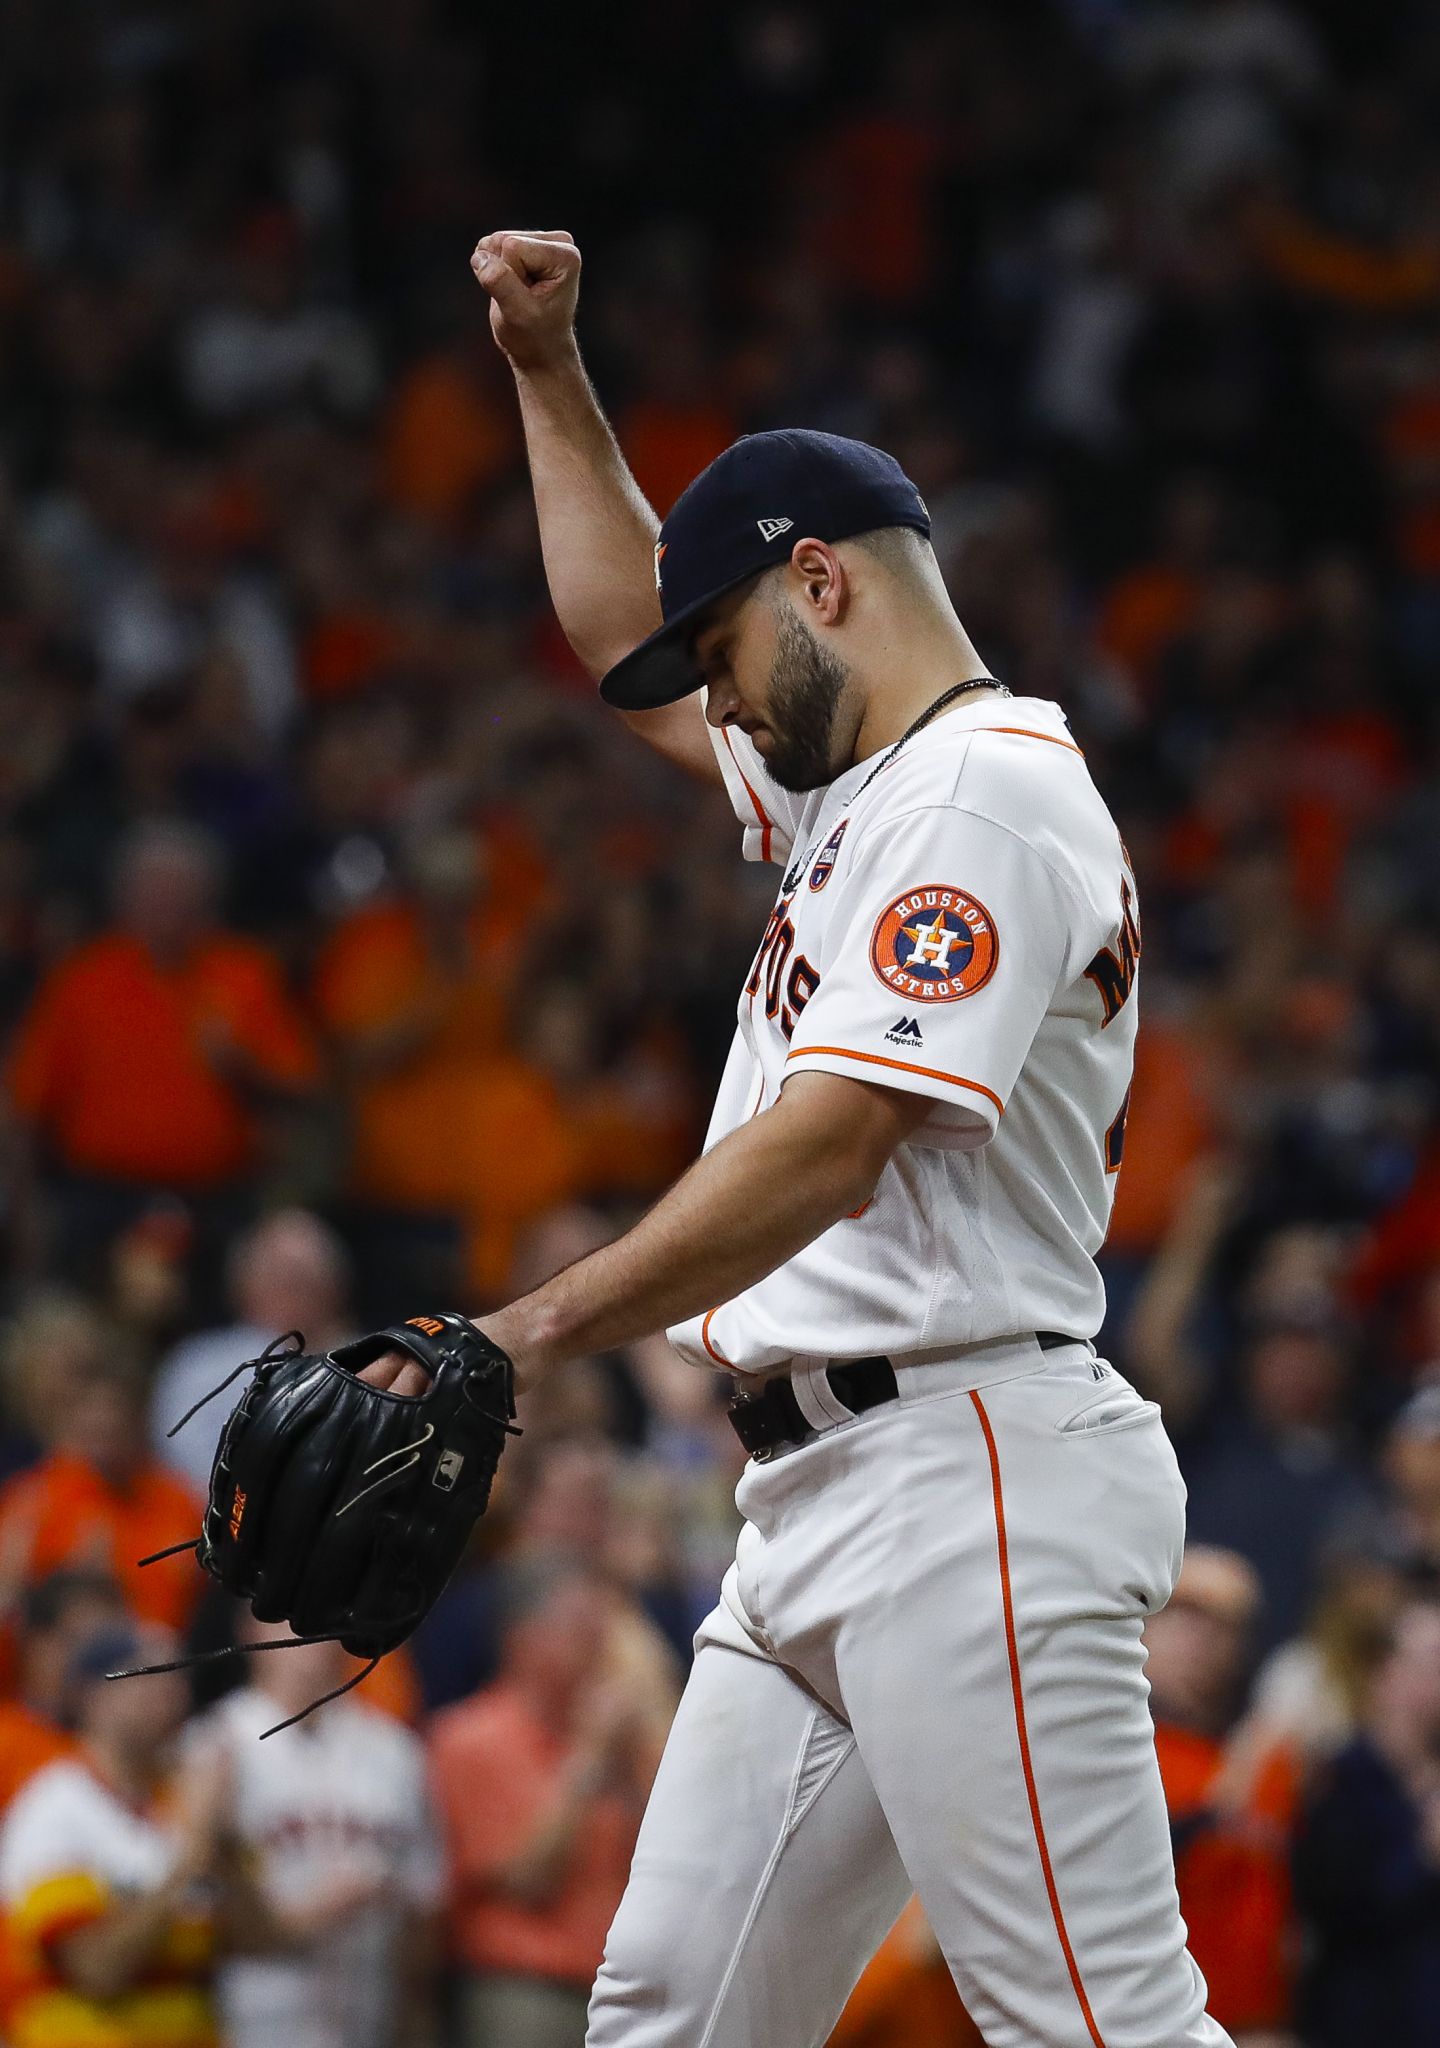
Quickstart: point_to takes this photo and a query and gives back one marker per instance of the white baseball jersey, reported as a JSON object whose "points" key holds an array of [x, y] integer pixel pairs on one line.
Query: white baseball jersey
{"points": [[961, 924], [68, 1821], [343, 1791]]}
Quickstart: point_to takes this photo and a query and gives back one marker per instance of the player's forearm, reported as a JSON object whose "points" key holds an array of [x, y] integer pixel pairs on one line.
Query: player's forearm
{"points": [[746, 1207], [597, 531]]}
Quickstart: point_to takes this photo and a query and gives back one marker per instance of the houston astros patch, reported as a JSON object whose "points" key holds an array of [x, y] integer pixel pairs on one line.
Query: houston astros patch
{"points": [[934, 944]]}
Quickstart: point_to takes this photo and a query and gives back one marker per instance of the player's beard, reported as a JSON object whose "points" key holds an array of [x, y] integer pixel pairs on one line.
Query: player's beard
{"points": [[806, 686]]}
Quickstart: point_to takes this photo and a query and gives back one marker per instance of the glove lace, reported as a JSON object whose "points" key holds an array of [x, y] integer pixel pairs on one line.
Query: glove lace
{"points": [[246, 1650], [288, 1346]]}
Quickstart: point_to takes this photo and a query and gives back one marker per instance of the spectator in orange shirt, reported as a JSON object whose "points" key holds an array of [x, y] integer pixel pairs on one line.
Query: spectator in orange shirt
{"points": [[676, 426], [420, 997], [147, 1057], [1149, 605], [867, 188], [99, 1501], [448, 431], [567, 1126], [1231, 1853], [1170, 1126], [540, 1780], [414, 994], [906, 1997], [57, 1613]]}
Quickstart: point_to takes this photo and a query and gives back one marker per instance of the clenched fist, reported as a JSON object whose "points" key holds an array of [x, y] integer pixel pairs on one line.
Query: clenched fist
{"points": [[533, 279]]}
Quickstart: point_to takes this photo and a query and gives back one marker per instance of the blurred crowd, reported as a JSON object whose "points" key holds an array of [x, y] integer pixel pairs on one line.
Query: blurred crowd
{"points": [[352, 963]]}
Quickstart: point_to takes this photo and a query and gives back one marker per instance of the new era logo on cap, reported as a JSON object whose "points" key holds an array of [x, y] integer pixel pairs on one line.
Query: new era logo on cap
{"points": [[771, 529]]}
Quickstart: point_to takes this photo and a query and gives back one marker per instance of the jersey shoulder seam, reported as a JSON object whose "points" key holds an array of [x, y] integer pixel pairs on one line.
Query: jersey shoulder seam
{"points": [[973, 810], [1030, 732]]}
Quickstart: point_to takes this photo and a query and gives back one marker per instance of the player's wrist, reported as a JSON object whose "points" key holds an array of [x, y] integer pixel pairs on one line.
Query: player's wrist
{"points": [[551, 367], [544, 1329], [526, 1340]]}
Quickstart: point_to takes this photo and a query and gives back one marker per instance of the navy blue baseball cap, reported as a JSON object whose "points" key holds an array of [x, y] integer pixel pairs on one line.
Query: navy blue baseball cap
{"points": [[743, 515]]}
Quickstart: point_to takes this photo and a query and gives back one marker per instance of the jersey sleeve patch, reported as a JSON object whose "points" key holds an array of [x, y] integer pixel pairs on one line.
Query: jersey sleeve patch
{"points": [[825, 861], [934, 944]]}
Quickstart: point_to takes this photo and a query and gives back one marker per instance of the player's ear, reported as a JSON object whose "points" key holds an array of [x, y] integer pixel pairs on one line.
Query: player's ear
{"points": [[821, 577]]}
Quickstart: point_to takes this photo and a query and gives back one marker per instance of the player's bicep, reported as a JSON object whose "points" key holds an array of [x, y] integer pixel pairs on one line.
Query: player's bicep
{"points": [[949, 942], [857, 1116]]}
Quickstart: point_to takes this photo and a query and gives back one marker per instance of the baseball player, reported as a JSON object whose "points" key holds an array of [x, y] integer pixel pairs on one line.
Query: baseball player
{"points": [[925, 1670]]}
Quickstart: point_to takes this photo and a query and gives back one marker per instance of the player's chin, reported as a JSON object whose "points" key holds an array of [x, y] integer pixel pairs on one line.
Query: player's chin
{"points": [[798, 775]]}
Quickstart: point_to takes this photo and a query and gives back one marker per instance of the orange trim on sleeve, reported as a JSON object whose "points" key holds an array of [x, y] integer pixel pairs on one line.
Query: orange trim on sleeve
{"points": [[875, 1059], [718, 1356], [1023, 732], [762, 816], [1017, 1694]]}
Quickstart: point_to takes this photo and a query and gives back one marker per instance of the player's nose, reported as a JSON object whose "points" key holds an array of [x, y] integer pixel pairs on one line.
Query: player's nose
{"points": [[722, 704]]}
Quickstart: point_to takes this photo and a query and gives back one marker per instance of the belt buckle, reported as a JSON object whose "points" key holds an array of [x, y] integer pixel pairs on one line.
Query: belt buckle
{"points": [[741, 1407]]}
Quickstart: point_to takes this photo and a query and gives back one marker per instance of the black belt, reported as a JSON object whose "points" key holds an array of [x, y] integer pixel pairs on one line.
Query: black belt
{"points": [[770, 1415]]}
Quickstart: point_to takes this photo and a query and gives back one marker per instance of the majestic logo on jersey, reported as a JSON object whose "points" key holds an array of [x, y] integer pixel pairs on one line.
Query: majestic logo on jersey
{"points": [[825, 861], [905, 1031], [934, 945]]}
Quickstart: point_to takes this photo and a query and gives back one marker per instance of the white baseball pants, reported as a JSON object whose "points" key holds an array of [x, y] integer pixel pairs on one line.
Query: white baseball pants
{"points": [[925, 1673]]}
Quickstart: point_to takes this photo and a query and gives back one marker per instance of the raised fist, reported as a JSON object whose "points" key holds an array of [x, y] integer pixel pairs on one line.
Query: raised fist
{"points": [[533, 279]]}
